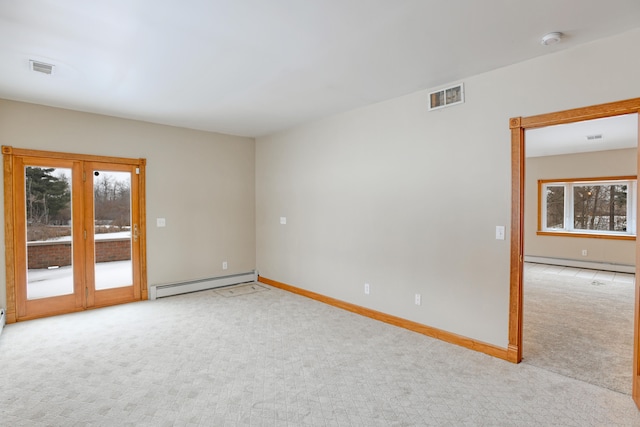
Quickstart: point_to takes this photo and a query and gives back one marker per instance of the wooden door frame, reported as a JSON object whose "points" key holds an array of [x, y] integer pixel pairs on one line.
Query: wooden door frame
{"points": [[517, 126], [9, 153]]}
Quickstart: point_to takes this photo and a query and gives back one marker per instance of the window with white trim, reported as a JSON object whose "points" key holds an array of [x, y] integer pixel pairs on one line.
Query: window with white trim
{"points": [[604, 207]]}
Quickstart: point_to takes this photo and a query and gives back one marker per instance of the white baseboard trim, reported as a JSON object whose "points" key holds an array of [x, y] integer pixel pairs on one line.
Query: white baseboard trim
{"points": [[604, 266], [169, 289]]}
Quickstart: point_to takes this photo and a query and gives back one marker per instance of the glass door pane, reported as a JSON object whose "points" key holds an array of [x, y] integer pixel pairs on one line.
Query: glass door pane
{"points": [[112, 229], [49, 232]]}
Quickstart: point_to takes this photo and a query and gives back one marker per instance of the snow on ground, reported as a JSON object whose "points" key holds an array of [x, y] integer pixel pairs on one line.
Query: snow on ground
{"points": [[101, 236], [43, 283]]}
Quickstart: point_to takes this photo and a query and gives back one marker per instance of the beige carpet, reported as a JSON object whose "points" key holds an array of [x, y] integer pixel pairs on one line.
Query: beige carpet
{"points": [[579, 327], [271, 358]]}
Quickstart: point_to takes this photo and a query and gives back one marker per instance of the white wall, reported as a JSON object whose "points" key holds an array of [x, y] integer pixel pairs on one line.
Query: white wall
{"points": [[582, 165], [202, 183], [408, 200]]}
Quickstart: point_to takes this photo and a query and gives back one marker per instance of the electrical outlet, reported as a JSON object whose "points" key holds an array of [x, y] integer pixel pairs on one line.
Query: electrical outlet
{"points": [[366, 289], [584, 252], [418, 299], [224, 265]]}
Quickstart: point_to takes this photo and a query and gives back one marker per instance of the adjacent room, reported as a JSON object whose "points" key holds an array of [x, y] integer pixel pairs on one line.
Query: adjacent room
{"points": [[579, 222], [312, 213]]}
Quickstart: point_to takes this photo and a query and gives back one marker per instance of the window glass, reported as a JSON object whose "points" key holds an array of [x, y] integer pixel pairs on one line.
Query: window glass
{"points": [[600, 207], [555, 206]]}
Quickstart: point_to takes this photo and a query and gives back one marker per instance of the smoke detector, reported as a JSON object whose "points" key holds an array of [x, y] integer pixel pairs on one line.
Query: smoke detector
{"points": [[551, 38], [41, 67]]}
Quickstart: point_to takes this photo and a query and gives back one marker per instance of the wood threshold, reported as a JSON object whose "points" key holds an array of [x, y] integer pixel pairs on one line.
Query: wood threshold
{"points": [[70, 311], [490, 349]]}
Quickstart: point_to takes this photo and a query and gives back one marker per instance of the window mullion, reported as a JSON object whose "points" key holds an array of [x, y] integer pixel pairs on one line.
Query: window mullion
{"points": [[543, 206], [568, 207], [631, 207]]}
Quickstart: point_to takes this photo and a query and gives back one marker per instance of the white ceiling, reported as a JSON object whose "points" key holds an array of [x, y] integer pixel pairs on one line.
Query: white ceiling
{"points": [[617, 133], [253, 67]]}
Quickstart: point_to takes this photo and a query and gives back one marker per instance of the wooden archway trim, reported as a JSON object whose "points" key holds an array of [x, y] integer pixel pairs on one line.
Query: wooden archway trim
{"points": [[517, 126]]}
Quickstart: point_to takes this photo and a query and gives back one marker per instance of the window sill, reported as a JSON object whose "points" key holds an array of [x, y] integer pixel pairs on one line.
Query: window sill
{"points": [[587, 235]]}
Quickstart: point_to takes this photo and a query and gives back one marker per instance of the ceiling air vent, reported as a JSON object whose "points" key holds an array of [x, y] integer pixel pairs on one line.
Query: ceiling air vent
{"points": [[41, 67], [446, 97]]}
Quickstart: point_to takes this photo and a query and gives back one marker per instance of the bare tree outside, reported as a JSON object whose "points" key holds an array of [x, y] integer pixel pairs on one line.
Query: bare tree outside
{"points": [[600, 207], [112, 203], [555, 206], [48, 202]]}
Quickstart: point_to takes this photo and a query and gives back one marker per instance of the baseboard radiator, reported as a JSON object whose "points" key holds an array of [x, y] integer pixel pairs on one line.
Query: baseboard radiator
{"points": [[169, 289], [593, 265], [2, 319]]}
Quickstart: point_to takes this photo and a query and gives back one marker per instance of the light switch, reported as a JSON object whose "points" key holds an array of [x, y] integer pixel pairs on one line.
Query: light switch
{"points": [[499, 232], [161, 222], [283, 220]]}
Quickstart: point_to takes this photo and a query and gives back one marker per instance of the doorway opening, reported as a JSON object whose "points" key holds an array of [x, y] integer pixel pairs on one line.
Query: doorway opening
{"points": [[579, 226], [518, 125]]}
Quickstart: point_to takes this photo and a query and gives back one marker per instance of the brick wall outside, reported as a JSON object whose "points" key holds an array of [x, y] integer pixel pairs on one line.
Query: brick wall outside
{"points": [[49, 254], [113, 250]]}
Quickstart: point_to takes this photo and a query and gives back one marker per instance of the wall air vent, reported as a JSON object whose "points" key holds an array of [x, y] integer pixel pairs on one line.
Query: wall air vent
{"points": [[41, 67], [446, 97], [594, 137]]}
